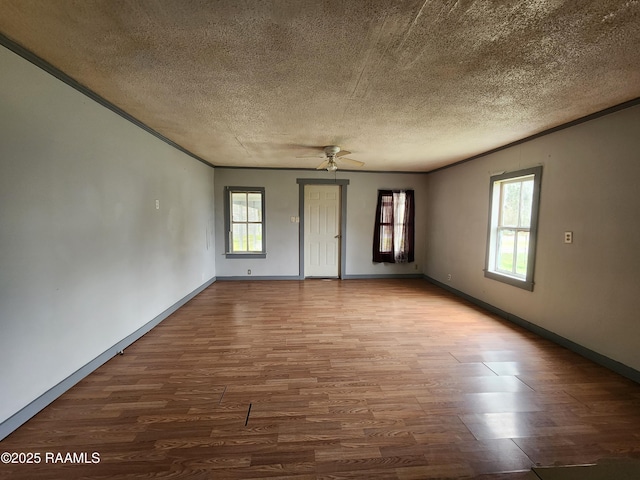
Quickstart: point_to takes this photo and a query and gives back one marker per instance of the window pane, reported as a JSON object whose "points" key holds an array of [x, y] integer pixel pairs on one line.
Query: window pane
{"points": [[239, 207], [526, 203], [255, 237], [523, 253], [386, 211], [506, 250], [255, 207], [239, 233], [386, 238], [510, 204]]}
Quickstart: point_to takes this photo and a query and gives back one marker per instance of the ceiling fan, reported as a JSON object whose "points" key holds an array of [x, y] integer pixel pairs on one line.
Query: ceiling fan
{"points": [[334, 155]]}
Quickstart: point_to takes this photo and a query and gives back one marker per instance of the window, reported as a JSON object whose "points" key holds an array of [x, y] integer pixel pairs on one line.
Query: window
{"points": [[513, 207], [245, 225], [393, 237]]}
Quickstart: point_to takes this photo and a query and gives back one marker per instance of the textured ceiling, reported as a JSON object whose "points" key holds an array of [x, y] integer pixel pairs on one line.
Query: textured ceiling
{"points": [[405, 85]]}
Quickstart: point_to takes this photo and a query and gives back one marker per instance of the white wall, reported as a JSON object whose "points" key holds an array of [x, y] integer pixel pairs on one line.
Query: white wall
{"points": [[588, 291], [85, 257], [282, 202]]}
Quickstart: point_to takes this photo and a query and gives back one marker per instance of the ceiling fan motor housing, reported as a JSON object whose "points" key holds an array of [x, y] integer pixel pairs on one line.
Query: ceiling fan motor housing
{"points": [[331, 150]]}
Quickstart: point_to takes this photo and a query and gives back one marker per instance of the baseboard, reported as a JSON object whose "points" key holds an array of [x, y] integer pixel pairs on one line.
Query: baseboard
{"points": [[19, 418], [382, 276], [258, 277], [297, 277], [614, 365]]}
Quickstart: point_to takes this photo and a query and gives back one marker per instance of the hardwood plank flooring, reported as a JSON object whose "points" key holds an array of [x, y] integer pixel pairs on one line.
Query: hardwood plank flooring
{"points": [[367, 379]]}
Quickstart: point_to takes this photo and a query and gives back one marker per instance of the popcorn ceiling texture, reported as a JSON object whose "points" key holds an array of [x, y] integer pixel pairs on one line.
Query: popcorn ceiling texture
{"points": [[405, 85]]}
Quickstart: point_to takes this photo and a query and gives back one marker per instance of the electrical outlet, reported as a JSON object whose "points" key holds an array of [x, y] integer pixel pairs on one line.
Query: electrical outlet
{"points": [[157, 204], [568, 237], [449, 277], [249, 272]]}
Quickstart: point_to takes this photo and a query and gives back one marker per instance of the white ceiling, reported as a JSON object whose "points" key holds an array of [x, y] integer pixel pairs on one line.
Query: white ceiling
{"points": [[404, 85]]}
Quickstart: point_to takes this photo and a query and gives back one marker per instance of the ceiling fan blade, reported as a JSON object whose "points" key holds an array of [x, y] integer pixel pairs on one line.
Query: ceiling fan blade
{"points": [[323, 165], [318, 155], [342, 153], [357, 163]]}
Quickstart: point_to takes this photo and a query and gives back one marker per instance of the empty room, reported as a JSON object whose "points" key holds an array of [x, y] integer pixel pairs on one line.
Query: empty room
{"points": [[319, 239]]}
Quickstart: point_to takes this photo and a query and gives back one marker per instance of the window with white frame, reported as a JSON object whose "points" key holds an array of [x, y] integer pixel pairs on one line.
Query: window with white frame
{"points": [[245, 222], [513, 220]]}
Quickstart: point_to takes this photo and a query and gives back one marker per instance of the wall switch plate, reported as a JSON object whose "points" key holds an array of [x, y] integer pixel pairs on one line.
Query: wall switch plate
{"points": [[157, 204], [568, 237]]}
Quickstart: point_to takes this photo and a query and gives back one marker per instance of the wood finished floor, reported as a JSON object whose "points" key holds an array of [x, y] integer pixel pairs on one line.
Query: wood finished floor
{"points": [[368, 379]]}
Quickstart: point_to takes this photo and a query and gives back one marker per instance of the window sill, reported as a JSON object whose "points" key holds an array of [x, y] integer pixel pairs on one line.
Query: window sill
{"points": [[245, 255], [516, 282]]}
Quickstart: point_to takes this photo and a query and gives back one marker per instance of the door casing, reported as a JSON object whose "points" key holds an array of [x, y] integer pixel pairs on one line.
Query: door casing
{"points": [[343, 183]]}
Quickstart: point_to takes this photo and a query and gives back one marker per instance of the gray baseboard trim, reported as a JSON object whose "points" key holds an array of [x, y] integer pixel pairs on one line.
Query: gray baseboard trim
{"points": [[254, 277], [19, 418], [614, 365], [382, 276], [297, 277]]}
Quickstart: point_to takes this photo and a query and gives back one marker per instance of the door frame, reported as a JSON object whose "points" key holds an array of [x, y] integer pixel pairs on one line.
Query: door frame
{"points": [[342, 183]]}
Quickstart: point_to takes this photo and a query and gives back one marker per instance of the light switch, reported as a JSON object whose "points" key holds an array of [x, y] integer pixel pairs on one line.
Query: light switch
{"points": [[157, 204]]}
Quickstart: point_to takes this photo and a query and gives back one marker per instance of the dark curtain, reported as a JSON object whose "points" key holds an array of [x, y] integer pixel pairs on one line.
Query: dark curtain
{"points": [[393, 236]]}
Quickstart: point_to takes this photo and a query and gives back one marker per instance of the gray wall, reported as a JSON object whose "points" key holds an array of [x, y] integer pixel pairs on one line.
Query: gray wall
{"points": [[85, 257], [282, 202], [588, 291]]}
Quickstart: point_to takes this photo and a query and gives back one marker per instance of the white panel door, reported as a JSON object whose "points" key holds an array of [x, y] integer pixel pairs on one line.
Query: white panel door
{"points": [[322, 231]]}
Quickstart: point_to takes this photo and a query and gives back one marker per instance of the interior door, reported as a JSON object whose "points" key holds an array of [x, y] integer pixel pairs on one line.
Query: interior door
{"points": [[322, 231]]}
